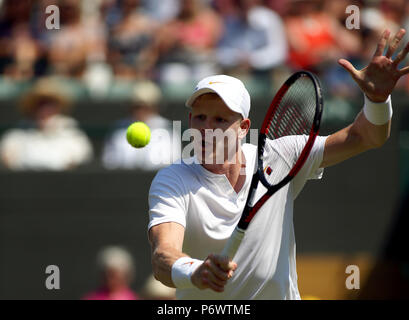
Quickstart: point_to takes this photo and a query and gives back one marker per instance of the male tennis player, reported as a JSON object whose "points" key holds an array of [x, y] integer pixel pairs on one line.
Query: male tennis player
{"points": [[194, 207]]}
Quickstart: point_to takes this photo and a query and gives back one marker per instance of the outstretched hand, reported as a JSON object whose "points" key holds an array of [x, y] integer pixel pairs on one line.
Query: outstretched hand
{"points": [[379, 78]]}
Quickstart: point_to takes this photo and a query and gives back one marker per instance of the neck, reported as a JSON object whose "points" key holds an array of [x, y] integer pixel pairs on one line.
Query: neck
{"points": [[231, 169]]}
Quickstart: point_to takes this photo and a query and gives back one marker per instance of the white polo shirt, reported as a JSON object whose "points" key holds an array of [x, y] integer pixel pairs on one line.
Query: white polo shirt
{"points": [[208, 207]]}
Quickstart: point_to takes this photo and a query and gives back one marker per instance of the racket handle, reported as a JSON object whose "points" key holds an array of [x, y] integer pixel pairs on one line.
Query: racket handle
{"points": [[233, 243]]}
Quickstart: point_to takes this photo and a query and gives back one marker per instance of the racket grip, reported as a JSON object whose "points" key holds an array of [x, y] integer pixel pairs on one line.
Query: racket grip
{"points": [[233, 243]]}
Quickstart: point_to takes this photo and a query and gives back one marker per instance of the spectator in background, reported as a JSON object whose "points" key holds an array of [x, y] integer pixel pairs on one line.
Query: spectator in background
{"points": [[406, 27], [406, 19], [253, 37], [118, 154], [52, 139], [348, 44], [156, 290], [380, 15], [76, 44], [130, 42], [99, 17], [24, 53], [19, 51], [393, 16], [393, 12], [161, 10], [279, 6], [117, 270], [348, 41], [311, 35], [372, 24], [185, 45]]}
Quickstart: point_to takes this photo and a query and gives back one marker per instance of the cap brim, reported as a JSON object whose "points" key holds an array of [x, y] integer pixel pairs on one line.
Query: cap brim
{"points": [[195, 95]]}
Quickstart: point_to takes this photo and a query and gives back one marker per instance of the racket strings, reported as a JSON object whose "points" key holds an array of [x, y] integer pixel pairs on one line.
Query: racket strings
{"points": [[295, 113], [288, 129]]}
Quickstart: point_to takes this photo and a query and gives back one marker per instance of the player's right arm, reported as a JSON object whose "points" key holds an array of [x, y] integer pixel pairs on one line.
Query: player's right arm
{"points": [[166, 243]]}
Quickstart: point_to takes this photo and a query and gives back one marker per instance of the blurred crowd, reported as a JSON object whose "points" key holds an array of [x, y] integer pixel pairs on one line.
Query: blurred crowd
{"points": [[160, 42], [175, 40]]}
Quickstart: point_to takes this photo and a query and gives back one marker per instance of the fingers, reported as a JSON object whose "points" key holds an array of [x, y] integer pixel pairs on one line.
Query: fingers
{"points": [[218, 272], [214, 273], [349, 67], [210, 280], [216, 276], [382, 43], [404, 71], [224, 262], [402, 55], [395, 43]]}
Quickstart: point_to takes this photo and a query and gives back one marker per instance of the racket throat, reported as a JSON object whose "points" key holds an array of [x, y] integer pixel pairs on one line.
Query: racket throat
{"points": [[250, 211], [245, 218]]}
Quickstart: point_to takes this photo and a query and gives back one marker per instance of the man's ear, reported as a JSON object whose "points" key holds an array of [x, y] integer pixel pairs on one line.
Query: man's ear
{"points": [[244, 128], [190, 119]]}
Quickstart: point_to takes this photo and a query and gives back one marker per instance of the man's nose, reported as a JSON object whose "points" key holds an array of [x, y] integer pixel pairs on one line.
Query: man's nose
{"points": [[208, 124]]}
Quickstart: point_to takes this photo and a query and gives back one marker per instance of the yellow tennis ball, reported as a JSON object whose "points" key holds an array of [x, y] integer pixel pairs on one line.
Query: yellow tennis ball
{"points": [[138, 134]]}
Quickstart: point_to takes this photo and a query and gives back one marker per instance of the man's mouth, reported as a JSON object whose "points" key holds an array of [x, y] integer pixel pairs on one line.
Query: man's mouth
{"points": [[208, 144]]}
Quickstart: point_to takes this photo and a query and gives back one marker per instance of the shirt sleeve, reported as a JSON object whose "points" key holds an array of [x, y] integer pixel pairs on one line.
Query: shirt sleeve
{"points": [[167, 199], [311, 168]]}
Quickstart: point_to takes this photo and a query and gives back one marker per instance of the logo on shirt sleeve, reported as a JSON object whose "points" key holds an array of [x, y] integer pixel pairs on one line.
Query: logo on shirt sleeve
{"points": [[268, 170]]}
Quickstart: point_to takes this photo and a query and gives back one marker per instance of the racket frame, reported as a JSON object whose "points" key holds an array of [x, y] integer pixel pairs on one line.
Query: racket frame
{"points": [[250, 210]]}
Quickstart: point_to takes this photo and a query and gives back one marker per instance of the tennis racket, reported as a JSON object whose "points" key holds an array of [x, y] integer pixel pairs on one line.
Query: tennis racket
{"points": [[295, 110]]}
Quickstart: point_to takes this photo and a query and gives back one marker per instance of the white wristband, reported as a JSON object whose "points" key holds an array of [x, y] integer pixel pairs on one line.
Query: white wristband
{"points": [[378, 113], [182, 271]]}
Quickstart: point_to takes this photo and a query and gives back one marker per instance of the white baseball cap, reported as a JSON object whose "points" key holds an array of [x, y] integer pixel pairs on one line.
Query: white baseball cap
{"points": [[231, 90]]}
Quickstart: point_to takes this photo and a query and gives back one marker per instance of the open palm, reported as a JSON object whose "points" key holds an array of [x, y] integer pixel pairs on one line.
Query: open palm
{"points": [[379, 78]]}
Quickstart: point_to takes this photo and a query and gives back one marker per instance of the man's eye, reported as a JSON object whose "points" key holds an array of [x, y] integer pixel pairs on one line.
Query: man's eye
{"points": [[221, 120], [200, 117]]}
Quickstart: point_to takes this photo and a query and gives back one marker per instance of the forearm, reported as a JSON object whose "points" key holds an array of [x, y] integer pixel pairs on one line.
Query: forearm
{"points": [[163, 258], [360, 136], [367, 135], [374, 127], [166, 241]]}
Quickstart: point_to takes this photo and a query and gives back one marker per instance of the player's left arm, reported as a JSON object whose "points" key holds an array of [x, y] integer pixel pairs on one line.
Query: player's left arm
{"points": [[377, 82]]}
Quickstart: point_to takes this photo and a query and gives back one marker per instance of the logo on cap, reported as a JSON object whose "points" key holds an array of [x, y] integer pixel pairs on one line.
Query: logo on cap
{"points": [[212, 82]]}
